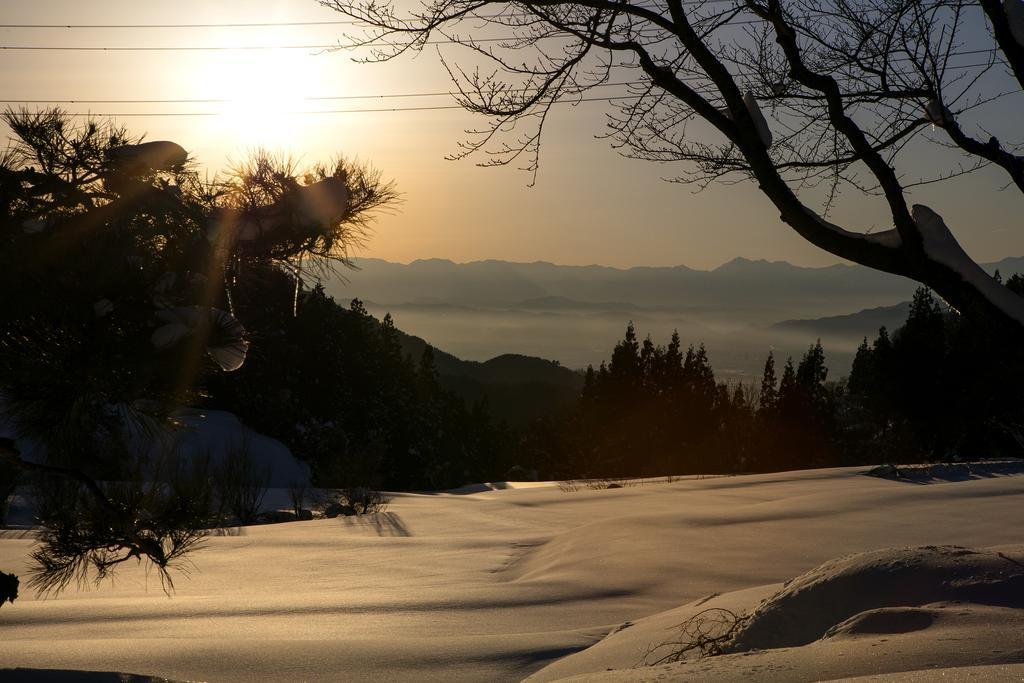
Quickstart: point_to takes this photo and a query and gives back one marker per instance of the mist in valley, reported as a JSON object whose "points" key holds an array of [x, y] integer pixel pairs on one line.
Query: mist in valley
{"points": [[575, 314]]}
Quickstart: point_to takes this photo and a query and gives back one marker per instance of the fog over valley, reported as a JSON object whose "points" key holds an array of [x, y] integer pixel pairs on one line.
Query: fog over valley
{"points": [[574, 314]]}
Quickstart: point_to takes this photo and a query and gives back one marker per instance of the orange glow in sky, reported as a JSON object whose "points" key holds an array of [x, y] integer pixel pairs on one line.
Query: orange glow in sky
{"points": [[590, 205]]}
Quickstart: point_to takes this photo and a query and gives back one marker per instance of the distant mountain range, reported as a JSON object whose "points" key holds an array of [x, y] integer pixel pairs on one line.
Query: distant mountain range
{"points": [[575, 314], [861, 323], [755, 288]]}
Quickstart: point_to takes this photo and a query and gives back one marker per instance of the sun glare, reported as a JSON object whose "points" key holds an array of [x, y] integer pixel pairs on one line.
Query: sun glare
{"points": [[264, 90]]}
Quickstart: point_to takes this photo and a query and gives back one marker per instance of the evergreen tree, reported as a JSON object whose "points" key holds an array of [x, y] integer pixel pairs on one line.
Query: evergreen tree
{"points": [[919, 349], [672, 363], [925, 318], [789, 388], [649, 358], [811, 375], [769, 393], [788, 422], [741, 431], [860, 380], [390, 341], [625, 364], [703, 377], [133, 272], [426, 374], [589, 392]]}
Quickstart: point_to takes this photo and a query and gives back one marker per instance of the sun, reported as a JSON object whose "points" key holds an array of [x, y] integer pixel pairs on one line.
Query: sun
{"points": [[264, 91]]}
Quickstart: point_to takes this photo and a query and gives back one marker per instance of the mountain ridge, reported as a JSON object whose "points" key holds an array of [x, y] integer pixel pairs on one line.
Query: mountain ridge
{"points": [[733, 261], [576, 314], [864, 322], [779, 289]]}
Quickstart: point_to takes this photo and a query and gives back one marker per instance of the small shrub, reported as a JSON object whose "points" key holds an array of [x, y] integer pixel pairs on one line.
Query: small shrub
{"points": [[240, 483], [365, 501], [705, 634], [352, 501], [297, 494]]}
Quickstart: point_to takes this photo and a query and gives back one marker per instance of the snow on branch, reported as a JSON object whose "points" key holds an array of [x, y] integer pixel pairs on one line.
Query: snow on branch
{"points": [[942, 247]]}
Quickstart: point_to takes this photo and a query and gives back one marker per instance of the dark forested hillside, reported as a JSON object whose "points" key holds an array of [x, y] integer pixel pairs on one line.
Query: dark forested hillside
{"points": [[367, 404], [517, 388], [335, 385]]}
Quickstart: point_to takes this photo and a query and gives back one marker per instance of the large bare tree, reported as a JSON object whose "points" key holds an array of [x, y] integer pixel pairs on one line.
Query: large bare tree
{"points": [[851, 88]]}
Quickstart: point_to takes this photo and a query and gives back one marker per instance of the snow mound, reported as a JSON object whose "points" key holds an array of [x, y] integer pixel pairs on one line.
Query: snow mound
{"points": [[215, 432], [851, 594], [886, 620]]}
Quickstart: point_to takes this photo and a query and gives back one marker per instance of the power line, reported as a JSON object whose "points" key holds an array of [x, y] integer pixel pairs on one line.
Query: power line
{"points": [[333, 46], [264, 24], [227, 48], [274, 24], [221, 100], [323, 98], [210, 48], [270, 24], [389, 95], [625, 96], [334, 111]]}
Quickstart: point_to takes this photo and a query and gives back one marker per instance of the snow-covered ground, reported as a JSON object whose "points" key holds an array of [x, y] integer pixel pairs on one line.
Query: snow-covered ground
{"points": [[504, 583]]}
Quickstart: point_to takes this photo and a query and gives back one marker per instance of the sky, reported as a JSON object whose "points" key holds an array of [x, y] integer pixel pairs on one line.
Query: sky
{"points": [[589, 204]]}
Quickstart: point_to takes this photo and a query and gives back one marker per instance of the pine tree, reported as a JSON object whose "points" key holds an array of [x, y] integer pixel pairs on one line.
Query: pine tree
{"points": [[131, 271], [698, 376], [739, 432], [357, 308], [884, 361], [769, 393], [426, 372], [589, 392], [811, 374], [625, 362], [925, 321], [919, 353], [789, 397], [861, 380], [672, 363], [649, 358], [389, 338], [1016, 284], [739, 399]]}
